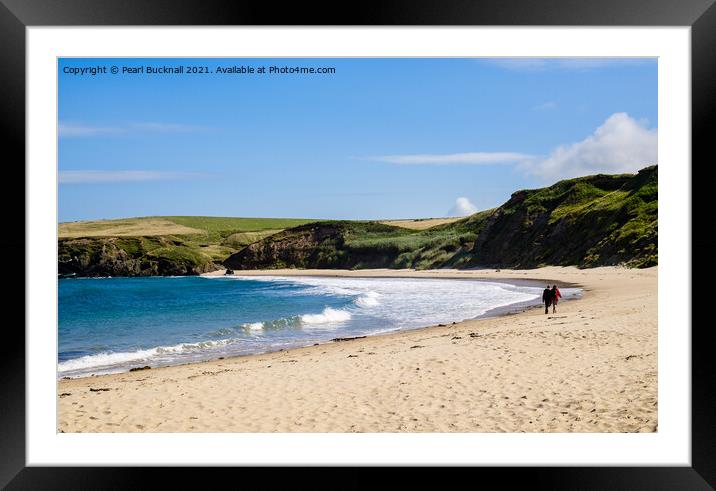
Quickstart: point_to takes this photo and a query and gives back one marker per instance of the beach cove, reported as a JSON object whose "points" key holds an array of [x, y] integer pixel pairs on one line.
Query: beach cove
{"points": [[590, 367]]}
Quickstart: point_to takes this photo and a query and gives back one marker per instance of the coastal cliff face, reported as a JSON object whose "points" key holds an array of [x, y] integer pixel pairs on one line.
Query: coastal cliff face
{"points": [[158, 246], [330, 245], [129, 256], [590, 221]]}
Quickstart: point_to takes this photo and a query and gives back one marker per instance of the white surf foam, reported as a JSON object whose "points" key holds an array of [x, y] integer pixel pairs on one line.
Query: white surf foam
{"points": [[106, 359], [253, 326], [328, 316], [368, 299]]}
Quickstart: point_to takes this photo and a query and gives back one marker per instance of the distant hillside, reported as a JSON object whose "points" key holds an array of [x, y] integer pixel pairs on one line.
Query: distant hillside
{"points": [[588, 221], [151, 246]]}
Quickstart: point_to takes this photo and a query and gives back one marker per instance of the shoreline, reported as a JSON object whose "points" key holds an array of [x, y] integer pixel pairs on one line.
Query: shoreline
{"points": [[108, 406], [501, 310], [483, 274]]}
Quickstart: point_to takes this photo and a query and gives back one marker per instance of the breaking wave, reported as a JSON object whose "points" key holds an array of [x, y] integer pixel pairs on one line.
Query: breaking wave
{"points": [[107, 359], [253, 326], [368, 299], [328, 316]]}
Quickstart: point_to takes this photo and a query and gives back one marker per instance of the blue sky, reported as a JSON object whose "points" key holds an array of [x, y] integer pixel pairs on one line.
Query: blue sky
{"points": [[379, 138]]}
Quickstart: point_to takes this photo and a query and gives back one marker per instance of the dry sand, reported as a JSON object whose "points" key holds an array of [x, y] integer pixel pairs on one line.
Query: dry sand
{"points": [[591, 367]]}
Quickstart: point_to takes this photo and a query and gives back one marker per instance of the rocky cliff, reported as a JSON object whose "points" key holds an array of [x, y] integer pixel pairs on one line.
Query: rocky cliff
{"points": [[130, 256]]}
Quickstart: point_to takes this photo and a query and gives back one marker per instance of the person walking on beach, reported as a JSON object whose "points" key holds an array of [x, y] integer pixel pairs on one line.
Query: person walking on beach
{"points": [[556, 295], [547, 297]]}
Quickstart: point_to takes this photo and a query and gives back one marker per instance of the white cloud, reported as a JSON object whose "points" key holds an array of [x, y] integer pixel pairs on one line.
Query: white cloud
{"points": [[106, 176], [569, 64], [521, 64], [621, 144], [167, 127], [545, 106], [71, 129], [470, 158], [463, 207], [66, 129]]}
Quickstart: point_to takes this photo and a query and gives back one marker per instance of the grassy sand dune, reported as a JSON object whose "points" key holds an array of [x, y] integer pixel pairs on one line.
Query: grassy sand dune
{"points": [[591, 367], [420, 223], [241, 239]]}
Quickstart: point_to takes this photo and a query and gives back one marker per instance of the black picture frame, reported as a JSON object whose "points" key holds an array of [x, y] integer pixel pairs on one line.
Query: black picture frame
{"points": [[17, 15]]}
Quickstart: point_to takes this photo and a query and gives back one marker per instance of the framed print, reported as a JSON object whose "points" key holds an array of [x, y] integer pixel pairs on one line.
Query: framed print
{"points": [[258, 239]]}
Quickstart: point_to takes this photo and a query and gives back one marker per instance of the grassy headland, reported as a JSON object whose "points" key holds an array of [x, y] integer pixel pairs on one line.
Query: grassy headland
{"points": [[149, 246], [588, 221]]}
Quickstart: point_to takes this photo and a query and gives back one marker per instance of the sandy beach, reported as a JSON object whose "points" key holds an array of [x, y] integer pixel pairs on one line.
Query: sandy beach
{"points": [[590, 367]]}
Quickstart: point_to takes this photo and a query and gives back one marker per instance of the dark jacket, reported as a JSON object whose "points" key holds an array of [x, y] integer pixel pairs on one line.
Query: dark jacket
{"points": [[547, 295]]}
